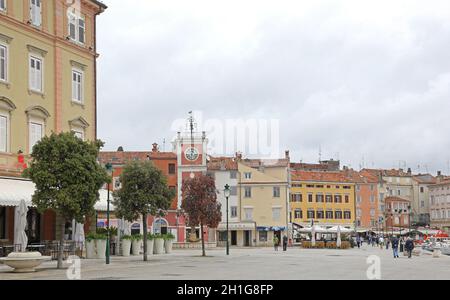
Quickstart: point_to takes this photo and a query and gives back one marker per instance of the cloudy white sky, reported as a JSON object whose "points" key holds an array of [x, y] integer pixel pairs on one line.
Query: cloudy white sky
{"points": [[367, 82]]}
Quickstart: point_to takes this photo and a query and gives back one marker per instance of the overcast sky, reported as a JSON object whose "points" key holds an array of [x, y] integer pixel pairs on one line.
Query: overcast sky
{"points": [[367, 82]]}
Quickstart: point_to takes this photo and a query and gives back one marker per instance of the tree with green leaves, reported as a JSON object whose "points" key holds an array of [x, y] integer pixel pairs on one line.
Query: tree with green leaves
{"points": [[200, 203], [67, 177], [144, 193]]}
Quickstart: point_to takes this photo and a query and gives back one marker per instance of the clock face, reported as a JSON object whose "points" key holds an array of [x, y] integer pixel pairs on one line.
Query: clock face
{"points": [[191, 154]]}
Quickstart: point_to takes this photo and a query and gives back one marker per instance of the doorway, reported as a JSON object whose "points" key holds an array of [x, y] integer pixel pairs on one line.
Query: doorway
{"points": [[234, 238], [33, 229], [247, 238]]}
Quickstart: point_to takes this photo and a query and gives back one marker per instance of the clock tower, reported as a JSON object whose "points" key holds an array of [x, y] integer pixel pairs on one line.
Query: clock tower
{"points": [[190, 147]]}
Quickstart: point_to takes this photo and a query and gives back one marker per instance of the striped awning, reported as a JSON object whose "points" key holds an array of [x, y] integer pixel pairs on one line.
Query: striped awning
{"points": [[14, 190]]}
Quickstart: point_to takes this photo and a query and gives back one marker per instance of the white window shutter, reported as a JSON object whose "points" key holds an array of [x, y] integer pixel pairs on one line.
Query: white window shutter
{"points": [[32, 74], [72, 27], [74, 96], [39, 75], [3, 133], [81, 30]]}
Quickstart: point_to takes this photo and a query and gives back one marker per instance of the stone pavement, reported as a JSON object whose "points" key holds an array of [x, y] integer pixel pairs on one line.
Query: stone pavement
{"points": [[252, 263]]}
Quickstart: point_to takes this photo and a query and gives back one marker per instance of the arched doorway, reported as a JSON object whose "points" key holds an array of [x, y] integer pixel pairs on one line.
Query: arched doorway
{"points": [[160, 226], [135, 228]]}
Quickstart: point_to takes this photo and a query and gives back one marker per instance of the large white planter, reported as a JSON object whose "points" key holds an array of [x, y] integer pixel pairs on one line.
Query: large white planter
{"points": [[101, 248], [158, 247], [136, 247], [168, 244], [24, 262], [150, 244], [126, 247], [90, 250]]}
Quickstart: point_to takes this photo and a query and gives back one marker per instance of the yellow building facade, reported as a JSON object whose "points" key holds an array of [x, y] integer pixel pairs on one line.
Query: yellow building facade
{"points": [[324, 198], [47, 73], [263, 196]]}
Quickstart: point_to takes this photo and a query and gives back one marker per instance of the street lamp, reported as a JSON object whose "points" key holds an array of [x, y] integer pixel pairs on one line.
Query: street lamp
{"points": [[108, 167], [227, 193], [409, 219]]}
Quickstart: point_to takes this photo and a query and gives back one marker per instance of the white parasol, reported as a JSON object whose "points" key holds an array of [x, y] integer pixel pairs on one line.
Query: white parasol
{"points": [[20, 237], [339, 241]]}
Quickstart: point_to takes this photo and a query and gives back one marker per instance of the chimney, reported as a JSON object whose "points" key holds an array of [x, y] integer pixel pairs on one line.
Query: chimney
{"points": [[155, 147], [409, 171], [261, 167], [287, 154], [120, 149], [238, 156], [439, 177]]}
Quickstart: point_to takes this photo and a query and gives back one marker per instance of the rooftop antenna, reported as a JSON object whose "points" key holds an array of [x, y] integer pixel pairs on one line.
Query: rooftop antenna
{"points": [[448, 167], [164, 145], [320, 153]]}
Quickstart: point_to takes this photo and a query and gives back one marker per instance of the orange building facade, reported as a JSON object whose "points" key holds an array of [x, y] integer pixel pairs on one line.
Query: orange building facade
{"points": [[172, 222], [367, 204]]}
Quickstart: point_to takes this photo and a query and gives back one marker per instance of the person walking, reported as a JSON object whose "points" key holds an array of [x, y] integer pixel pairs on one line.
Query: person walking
{"points": [[381, 241], [358, 242], [402, 245], [395, 243], [285, 243], [387, 243], [275, 242], [409, 246]]}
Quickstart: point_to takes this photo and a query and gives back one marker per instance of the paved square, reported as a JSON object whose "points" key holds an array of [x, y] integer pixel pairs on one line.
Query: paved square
{"points": [[255, 263]]}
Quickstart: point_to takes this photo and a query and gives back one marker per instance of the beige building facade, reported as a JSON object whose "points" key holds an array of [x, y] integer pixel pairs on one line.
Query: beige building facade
{"points": [[264, 193], [47, 73]]}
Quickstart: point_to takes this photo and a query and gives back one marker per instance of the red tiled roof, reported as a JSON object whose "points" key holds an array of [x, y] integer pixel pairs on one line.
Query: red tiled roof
{"points": [[425, 178], [390, 173], [445, 181], [361, 177], [222, 163], [319, 176], [119, 157]]}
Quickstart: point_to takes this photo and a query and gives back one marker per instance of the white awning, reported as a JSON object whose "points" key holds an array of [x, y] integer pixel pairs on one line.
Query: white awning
{"points": [[13, 190]]}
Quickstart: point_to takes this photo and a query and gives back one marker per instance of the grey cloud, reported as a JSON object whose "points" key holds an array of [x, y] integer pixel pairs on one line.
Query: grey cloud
{"points": [[358, 84]]}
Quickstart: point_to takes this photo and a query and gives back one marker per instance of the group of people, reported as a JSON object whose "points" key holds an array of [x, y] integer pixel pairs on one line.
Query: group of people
{"points": [[276, 242], [396, 243]]}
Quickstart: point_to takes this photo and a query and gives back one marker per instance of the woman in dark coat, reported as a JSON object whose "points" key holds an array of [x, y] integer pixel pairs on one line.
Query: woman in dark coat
{"points": [[409, 246]]}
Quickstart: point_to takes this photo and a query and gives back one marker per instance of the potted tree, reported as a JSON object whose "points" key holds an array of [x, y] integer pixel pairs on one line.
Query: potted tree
{"points": [[150, 243], [158, 247], [126, 245], [100, 243], [90, 246], [168, 242], [144, 192], [136, 244]]}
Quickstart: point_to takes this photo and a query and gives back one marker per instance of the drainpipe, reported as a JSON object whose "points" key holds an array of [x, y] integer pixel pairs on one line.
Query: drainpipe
{"points": [[95, 73]]}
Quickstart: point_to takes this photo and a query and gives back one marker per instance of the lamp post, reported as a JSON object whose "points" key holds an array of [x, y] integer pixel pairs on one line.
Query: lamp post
{"points": [[108, 167], [227, 193], [409, 219]]}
